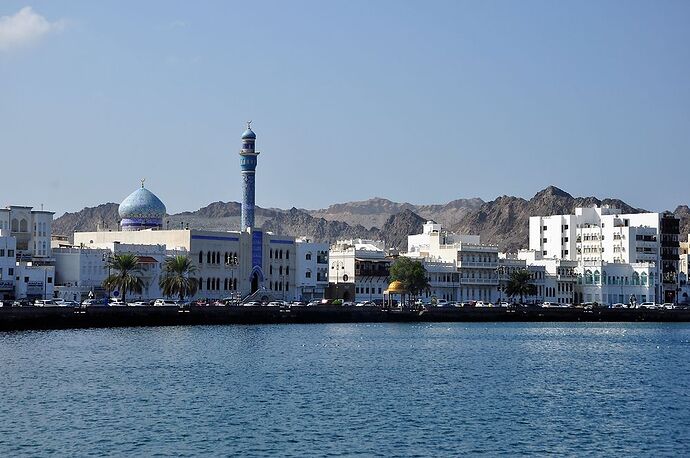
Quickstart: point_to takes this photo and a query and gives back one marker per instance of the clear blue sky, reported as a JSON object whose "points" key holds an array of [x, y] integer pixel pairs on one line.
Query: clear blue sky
{"points": [[423, 102]]}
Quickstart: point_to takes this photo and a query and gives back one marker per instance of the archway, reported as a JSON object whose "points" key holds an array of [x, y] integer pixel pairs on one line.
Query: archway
{"points": [[255, 282]]}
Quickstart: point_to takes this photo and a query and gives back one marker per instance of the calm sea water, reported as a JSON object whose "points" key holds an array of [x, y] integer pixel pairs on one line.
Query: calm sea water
{"points": [[348, 389]]}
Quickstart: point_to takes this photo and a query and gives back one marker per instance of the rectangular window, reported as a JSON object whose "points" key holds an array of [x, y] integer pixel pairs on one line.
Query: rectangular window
{"points": [[10, 271], [10, 253], [543, 228], [543, 240], [26, 279], [2, 253], [544, 252]]}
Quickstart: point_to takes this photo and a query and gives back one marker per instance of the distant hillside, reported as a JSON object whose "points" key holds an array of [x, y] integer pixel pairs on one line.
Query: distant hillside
{"points": [[503, 221], [375, 212]]}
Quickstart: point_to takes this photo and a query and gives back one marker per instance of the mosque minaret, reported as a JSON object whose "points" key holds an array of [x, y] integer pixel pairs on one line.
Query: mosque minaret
{"points": [[248, 162]]}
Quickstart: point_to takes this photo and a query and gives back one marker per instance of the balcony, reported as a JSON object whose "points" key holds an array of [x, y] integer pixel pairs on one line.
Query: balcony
{"points": [[479, 281], [480, 265]]}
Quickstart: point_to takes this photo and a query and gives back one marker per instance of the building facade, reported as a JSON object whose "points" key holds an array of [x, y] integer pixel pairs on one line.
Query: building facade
{"points": [[311, 269], [363, 265], [605, 235], [476, 264]]}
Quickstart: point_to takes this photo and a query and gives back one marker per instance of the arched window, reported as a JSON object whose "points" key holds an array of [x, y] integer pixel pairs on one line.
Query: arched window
{"points": [[201, 283], [287, 286], [597, 278], [217, 257], [643, 279], [234, 284], [270, 252], [635, 278], [201, 257], [287, 270], [280, 270], [208, 257], [579, 279], [270, 269], [15, 225], [236, 259], [208, 283], [308, 257], [588, 277], [225, 284], [23, 226], [603, 277], [280, 254], [287, 254]]}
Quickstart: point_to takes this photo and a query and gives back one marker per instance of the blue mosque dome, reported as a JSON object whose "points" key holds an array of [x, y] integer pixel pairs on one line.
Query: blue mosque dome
{"points": [[141, 210], [249, 134]]}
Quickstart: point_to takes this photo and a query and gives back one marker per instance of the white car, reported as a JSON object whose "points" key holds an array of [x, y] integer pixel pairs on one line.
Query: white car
{"points": [[483, 304], [139, 303], [117, 303], [164, 302], [648, 305]]}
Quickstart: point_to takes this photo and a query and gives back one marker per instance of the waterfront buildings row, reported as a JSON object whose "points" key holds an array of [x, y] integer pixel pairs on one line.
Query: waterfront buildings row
{"points": [[595, 255]]}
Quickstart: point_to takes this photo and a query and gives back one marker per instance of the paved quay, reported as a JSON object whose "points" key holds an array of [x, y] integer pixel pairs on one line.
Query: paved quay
{"points": [[26, 318]]}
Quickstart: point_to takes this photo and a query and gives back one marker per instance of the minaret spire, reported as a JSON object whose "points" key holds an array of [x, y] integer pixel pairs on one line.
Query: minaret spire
{"points": [[248, 169]]}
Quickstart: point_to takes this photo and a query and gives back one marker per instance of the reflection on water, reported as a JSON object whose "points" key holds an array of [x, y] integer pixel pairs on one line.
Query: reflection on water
{"points": [[344, 389]]}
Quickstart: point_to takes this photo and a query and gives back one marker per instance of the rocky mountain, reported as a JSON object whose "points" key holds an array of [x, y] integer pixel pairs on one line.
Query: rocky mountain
{"points": [[300, 223], [503, 221], [375, 212], [102, 217], [397, 227], [683, 212]]}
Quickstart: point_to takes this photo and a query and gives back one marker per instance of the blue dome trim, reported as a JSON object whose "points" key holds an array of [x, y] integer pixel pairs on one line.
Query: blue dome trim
{"points": [[248, 135]]}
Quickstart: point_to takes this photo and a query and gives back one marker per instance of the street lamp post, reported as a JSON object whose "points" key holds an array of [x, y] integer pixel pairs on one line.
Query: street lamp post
{"points": [[107, 258]]}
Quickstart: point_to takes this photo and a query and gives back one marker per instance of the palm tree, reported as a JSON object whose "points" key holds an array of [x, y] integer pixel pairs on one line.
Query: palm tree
{"points": [[127, 276], [520, 283], [178, 277]]}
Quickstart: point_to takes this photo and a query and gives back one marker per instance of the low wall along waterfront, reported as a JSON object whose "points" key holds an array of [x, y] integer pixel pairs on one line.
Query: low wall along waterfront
{"points": [[21, 318]]}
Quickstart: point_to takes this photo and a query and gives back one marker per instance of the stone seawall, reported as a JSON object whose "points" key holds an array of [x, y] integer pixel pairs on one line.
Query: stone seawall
{"points": [[25, 318]]}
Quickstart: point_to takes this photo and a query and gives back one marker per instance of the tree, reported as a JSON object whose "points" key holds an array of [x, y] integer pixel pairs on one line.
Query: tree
{"points": [[520, 283], [178, 279], [127, 276], [411, 274]]}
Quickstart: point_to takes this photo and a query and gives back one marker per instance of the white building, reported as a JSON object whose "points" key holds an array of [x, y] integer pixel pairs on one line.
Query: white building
{"points": [[476, 264], [605, 235], [8, 264], [80, 272], [545, 285], [228, 263], [29, 232], [362, 263], [311, 269], [31, 229]]}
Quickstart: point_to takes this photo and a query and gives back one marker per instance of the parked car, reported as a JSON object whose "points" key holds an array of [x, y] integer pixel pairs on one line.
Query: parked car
{"points": [[165, 302], [348, 304], [114, 302], [365, 304], [45, 303], [139, 303], [483, 304], [442, 303], [103, 302], [668, 306], [648, 305]]}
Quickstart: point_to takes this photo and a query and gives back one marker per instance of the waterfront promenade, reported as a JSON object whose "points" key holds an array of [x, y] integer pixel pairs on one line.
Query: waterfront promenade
{"points": [[100, 317]]}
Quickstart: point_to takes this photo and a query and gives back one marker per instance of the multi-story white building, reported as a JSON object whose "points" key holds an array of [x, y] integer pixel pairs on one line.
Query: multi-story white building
{"points": [[559, 276], [476, 264], [80, 272], [228, 263], [31, 229], [311, 275], [30, 232], [605, 235], [545, 285], [362, 263], [8, 264]]}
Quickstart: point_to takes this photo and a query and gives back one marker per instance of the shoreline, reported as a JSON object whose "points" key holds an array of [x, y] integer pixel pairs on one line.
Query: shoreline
{"points": [[44, 318]]}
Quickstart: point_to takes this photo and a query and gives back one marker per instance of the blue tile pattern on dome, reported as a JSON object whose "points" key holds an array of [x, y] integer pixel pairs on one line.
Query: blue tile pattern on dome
{"points": [[141, 210], [248, 135]]}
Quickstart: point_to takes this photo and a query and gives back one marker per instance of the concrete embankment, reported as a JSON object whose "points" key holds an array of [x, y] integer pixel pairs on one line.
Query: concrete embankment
{"points": [[98, 317]]}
